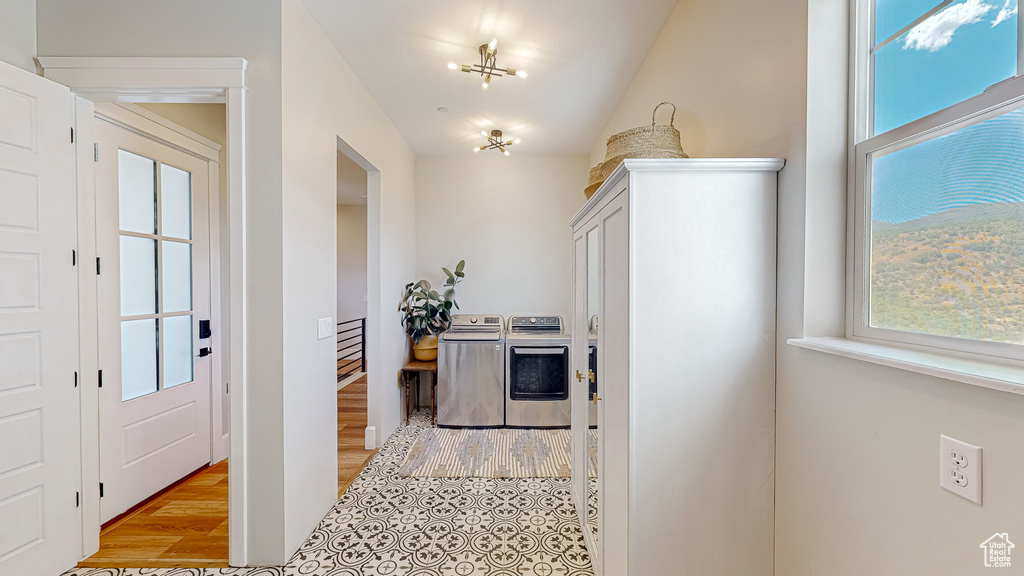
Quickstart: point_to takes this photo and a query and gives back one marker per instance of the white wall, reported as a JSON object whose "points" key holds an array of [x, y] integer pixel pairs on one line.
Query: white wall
{"points": [[324, 101], [351, 261], [250, 29], [856, 444], [18, 33], [508, 217]]}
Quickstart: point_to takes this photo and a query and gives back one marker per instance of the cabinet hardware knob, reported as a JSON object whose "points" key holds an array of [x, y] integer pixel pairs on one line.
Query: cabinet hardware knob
{"points": [[596, 398], [592, 376], [579, 376]]}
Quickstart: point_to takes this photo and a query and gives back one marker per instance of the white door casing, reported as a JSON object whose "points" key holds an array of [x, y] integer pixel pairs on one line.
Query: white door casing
{"points": [[40, 456], [149, 438]]}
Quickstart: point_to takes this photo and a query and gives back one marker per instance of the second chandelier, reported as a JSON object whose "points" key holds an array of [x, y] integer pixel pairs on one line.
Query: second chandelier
{"points": [[496, 142]]}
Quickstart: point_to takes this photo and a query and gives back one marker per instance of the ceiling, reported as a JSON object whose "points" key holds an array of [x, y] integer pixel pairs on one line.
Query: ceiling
{"points": [[581, 56], [351, 181]]}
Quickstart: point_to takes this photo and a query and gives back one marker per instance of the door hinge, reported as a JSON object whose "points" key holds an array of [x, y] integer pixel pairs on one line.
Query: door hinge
{"points": [[97, 265], [74, 257], [96, 152], [78, 501], [101, 489], [76, 378], [72, 134], [227, 387], [99, 378]]}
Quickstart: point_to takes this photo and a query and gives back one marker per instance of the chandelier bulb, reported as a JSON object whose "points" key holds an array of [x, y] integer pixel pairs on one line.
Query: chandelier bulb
{"points": [[484, 133], [477, 149], [522, 74], [453, 66], [506, 153], [492, 44], [516, 141]]}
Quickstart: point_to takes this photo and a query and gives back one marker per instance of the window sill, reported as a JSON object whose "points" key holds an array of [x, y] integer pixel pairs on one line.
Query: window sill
{"points": [[991, 374]]}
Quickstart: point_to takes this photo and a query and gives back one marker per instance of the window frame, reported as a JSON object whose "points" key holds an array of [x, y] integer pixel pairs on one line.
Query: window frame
{"points": [[996, 100]]}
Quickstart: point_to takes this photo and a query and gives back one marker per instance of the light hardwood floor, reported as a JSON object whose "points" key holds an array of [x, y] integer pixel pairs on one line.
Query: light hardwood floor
{"points": [[187, 526]]}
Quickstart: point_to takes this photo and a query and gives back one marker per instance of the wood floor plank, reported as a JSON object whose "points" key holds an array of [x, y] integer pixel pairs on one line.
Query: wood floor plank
{"points": [[187, 527]]}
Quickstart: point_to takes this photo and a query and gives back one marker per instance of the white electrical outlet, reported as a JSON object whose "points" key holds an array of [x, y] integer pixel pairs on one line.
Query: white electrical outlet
{"points": [[324, 329], [960, 468]]}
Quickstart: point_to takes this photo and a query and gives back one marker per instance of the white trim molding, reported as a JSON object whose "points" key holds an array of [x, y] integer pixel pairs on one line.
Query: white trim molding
{"points": [[147, 79], [986, 372], [174, 80]]}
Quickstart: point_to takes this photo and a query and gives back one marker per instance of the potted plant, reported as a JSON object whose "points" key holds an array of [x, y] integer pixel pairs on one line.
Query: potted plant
{"points": [[426, 313]]}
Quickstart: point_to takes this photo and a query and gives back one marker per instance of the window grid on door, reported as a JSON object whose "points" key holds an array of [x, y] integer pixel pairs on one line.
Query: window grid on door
{"points": [[155, 204]]}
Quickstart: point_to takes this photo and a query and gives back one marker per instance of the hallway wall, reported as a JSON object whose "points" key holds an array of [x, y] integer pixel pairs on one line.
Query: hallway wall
{"points": [[323, 101], [351, 262]]}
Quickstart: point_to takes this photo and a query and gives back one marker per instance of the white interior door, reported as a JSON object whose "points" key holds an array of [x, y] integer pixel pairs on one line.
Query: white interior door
{"points": [[152, 229], [40, 525]]}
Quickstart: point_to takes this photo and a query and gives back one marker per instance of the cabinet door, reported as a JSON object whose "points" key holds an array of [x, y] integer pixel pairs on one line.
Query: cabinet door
{"points": [[613, 386], [584, 416]]}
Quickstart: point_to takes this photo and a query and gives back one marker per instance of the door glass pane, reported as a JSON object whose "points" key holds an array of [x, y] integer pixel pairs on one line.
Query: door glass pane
{"points": [[177, 350], [136, 187], [177, 276], [953, 55], [138, 358], [176, 202], [138, 276], [947, 234]]}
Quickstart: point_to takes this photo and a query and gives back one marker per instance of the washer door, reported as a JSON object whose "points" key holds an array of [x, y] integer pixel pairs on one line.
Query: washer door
{"points": [[538, 374]]}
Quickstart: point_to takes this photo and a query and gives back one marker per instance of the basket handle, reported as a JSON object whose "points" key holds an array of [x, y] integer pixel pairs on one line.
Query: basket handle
{"points": [[670, 122]]}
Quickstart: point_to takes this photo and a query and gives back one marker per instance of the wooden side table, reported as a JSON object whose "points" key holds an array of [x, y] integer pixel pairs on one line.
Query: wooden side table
{"points": [[412, 371]]}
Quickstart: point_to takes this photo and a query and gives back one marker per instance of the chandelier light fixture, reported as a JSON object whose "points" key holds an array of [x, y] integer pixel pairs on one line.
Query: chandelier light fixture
{"points": [[496, 142], [488, 65]]}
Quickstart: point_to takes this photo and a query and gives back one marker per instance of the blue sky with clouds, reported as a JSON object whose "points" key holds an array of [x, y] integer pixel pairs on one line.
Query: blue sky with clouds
{"points": [[953, 55]]}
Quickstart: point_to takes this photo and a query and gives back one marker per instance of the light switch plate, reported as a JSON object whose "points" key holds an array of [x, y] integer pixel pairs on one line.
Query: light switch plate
{"points": [[960, 468], [324, 328]]}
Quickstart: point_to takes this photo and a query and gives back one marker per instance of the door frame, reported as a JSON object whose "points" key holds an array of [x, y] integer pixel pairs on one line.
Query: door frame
{"points": [[169, 80]]}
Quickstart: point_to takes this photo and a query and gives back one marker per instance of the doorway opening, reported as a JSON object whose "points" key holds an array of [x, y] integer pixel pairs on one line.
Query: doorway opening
{"points": [[353, 182], [352, 290], [164, 411]]}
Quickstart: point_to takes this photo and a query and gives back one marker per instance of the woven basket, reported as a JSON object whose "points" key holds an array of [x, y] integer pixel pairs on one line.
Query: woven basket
{"points": [[596, 179], [652, 141]]}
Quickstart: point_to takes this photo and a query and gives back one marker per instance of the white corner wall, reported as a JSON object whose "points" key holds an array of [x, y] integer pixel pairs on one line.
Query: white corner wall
{"points": [[856, 444], [324, 102], [351, 261], [18, 33], [508, 217]]}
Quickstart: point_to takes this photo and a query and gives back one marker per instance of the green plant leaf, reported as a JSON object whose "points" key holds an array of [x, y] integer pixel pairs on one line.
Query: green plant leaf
{"points": [[456, 305], [462, 264], [448, 304]]}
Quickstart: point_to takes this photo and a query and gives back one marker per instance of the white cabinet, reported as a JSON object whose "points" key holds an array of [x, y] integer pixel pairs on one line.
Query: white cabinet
{"points": [[674, 327]]}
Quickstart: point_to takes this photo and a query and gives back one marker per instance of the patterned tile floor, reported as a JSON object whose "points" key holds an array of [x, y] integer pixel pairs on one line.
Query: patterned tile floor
{"points": [[385, 524]]}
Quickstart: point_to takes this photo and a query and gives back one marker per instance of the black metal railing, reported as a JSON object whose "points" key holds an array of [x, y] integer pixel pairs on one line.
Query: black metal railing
{"points": [[351, 347]]}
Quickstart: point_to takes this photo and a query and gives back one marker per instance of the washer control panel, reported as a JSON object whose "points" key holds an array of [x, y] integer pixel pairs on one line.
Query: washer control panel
{"points": [[543, 322]]}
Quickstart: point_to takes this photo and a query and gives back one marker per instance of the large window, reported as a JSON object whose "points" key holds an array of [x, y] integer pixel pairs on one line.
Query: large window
{"points": [[938, 135]]}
